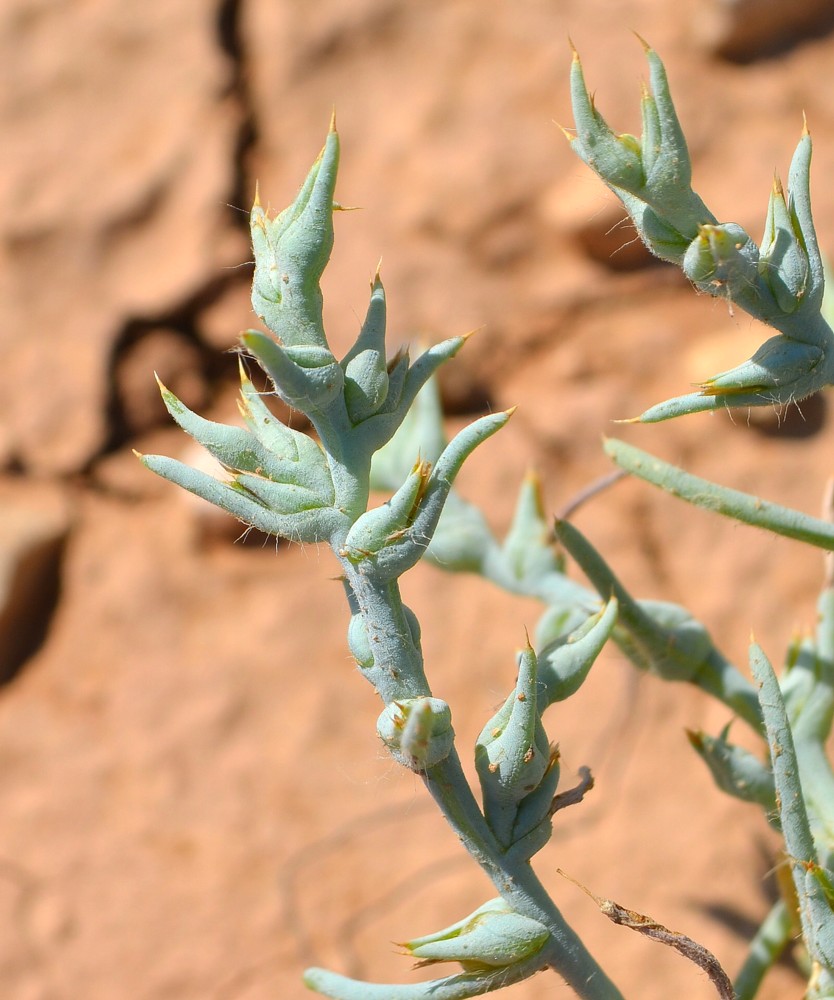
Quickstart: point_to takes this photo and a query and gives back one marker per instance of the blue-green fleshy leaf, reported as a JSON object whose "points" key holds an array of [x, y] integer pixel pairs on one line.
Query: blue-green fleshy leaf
{"points": [[288, 459], [720, 499], [811, 880], [291, 252], [304, 525], [662, 637]]}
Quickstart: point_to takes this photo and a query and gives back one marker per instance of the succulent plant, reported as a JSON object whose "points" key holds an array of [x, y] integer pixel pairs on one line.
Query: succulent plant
{"points": [[376, 424]]}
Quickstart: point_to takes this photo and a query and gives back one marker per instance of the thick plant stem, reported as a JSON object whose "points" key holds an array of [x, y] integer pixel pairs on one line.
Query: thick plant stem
{"points": [[397, 673], [516, 882], [397, 670]]}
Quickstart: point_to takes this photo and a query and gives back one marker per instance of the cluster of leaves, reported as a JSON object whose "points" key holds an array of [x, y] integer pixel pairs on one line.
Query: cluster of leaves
{"points": [[377, 425]]}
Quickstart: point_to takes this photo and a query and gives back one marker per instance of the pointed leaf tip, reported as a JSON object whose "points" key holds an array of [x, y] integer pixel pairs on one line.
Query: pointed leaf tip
{"points": [[163, 388], [646, 47], [470, 333]]}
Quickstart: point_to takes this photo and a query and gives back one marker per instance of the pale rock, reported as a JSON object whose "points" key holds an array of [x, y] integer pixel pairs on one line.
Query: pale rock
{"points": [[177, 363], [112, 200], [743, 30]]}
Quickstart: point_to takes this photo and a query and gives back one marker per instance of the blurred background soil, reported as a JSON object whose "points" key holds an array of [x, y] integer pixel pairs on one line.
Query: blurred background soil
{"points": [[194, 801]]}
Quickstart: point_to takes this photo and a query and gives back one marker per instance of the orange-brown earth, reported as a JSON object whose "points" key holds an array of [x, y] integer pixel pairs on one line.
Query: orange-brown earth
{"points": [[195, 804]]}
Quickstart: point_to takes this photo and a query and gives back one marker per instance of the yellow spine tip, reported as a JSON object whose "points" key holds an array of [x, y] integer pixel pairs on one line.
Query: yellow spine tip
{"points": [[257, 202], [332, 120], [510, 411], [646, 47], [568, 135]]}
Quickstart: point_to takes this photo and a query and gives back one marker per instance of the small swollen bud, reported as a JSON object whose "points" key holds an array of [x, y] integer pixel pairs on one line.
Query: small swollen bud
{"points": [[366, 372], [722, 260], [404, 383], [381, 525], [784, 260], [358, 642], [493, 936], [366, 385], [360, 645], [417, 731], [512, 754]]}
